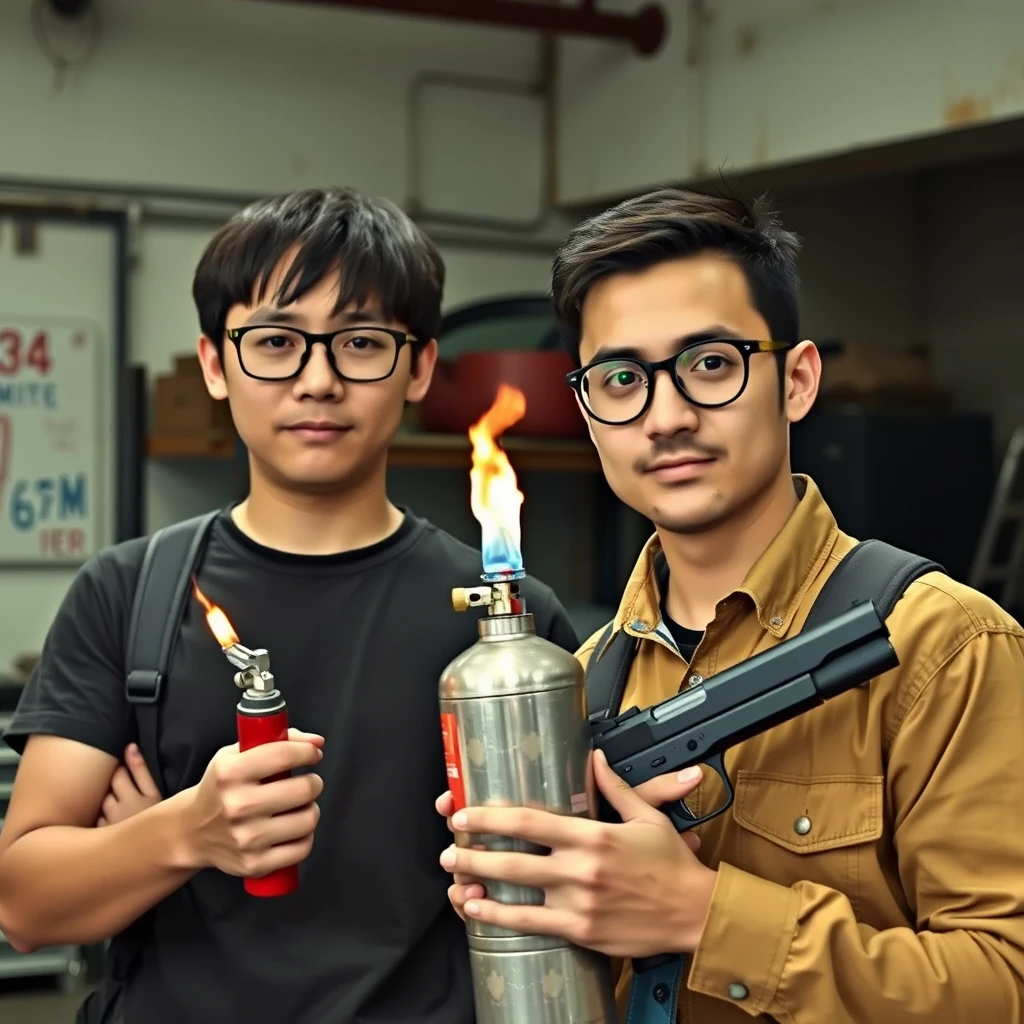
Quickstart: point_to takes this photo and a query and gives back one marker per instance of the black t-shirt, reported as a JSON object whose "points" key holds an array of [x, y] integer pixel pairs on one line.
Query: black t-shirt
{"points": [[686, 640], [357, 643]]}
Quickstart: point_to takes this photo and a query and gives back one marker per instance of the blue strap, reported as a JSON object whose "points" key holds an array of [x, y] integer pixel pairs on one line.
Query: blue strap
{"points": [[654, 994]]}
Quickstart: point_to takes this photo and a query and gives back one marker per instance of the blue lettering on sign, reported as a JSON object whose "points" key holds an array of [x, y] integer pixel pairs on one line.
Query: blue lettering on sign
{"points": [[29, 396], [72, 496], [47, 499]]}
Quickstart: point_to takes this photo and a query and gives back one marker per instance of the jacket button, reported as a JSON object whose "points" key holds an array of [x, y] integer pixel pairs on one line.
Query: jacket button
{"points": [[775, 621], [640, 626], [802, 825], [696, 679], [660, 993], [737, 991]]}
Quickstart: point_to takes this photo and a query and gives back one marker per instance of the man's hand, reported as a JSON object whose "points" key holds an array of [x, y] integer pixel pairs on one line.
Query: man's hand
{"points": [[132, 789], [633, 889], [246, 827], [664, 789]]}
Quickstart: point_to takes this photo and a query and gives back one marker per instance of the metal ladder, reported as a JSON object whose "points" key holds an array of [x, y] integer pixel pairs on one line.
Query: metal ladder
{"points": [[1007, 509]]}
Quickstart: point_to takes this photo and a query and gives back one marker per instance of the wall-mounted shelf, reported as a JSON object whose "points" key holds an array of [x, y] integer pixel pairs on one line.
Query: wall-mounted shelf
{"points": [[452, 451], [408, 451]]}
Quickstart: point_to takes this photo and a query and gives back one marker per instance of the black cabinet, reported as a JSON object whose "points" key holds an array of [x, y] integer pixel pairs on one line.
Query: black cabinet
{"points": [[920, 480]]}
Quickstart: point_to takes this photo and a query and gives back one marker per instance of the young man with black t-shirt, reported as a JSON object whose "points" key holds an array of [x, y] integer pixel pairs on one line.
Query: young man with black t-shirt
{"points": [[318, 313]]}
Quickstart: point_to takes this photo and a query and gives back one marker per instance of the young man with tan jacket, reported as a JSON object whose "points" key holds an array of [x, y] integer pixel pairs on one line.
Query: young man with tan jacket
{"points": [[871, 870]]}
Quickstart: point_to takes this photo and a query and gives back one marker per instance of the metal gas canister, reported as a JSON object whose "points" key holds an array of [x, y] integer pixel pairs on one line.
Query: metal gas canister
{"points": [[514, 722]]}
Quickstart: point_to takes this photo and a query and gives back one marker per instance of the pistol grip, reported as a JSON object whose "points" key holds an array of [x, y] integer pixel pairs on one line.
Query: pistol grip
{"points": [[684, 819]]}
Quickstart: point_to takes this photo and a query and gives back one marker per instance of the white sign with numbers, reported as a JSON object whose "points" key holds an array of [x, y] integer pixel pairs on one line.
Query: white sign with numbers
{"points": [[49, 422]]}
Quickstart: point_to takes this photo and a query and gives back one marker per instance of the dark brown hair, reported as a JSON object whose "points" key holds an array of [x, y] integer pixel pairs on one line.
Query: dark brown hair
{"points": [[672, 223], [371, 243]]}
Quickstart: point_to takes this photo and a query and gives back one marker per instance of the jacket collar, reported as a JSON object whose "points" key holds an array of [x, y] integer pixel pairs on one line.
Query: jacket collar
{"points": [[776, 583]]}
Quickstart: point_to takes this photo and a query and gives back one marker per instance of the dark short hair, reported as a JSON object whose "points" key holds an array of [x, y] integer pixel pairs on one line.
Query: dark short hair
{"points": [[373, 246], [672, 223]]}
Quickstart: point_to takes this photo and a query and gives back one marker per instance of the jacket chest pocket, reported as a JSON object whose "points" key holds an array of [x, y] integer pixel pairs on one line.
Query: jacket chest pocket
{"points": [[809, 829]]}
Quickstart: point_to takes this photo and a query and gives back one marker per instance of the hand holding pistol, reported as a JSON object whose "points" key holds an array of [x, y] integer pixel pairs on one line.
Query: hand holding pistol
{"points": [[698, 725]]}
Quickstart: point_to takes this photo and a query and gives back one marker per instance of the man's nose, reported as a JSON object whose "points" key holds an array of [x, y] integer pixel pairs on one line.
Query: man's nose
{"points": [[669, 413], [318, 379]]}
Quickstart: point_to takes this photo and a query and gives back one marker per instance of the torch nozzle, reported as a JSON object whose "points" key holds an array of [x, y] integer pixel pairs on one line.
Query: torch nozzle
{"points": [[253, 667]]}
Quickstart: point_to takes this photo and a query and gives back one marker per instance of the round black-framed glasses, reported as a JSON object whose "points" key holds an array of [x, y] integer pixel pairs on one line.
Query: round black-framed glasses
{"points": [[362, 355], [709, 374]]}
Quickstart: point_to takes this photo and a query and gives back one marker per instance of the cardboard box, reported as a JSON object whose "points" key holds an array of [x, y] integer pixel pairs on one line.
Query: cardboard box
{"points": [[867, 374], [182, 403], [187, 366]]}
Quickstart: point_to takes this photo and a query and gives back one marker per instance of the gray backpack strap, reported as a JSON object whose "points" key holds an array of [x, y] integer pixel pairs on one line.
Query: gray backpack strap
{"points": [[871, 571], [608, 672], [161, 596]]}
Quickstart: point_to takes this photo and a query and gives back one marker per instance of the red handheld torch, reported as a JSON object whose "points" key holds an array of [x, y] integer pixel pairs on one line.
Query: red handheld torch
{"points": [[261, 717]]}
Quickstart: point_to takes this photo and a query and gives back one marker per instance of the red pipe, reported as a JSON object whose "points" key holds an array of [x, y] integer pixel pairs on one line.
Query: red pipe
{"points": [[645, 29]]}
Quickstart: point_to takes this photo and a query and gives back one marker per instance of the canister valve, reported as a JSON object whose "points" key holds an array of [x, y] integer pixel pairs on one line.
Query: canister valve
{"points": [[498, 598]]}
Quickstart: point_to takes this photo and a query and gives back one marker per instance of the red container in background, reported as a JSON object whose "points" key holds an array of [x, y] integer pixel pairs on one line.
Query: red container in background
{"points": [[464, 388]]}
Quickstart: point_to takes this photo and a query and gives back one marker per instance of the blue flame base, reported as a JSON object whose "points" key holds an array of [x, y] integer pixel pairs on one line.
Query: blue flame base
{"points": [[504, 576], [501, 555]]}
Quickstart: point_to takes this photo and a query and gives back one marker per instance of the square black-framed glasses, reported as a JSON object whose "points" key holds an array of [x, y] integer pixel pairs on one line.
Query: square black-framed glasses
{"points": [[673, 366], [400, 338]]}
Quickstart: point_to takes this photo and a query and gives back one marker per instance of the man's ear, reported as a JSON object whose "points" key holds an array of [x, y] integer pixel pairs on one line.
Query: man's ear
{"points": [[213, 368], [423, 372], [802, 380]]}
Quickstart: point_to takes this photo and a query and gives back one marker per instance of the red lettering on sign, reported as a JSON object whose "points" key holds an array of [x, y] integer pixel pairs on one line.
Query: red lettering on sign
{"points": [[62, 543], [39, 353], [10, 352]]}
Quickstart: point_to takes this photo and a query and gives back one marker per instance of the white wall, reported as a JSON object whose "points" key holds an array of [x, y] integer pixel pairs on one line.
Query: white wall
{"points": [[750, 85], [240, 96]]}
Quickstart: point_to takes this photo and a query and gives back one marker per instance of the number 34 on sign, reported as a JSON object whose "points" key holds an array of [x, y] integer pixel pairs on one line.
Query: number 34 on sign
{"points": [[49, 422]]}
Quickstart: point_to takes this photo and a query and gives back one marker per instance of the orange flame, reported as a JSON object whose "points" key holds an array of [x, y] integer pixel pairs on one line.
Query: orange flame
{"points": [[495, 497], [218, 622]]}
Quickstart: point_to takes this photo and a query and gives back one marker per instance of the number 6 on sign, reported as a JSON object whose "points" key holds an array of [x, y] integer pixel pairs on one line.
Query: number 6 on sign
{"points": [[41, 500]]}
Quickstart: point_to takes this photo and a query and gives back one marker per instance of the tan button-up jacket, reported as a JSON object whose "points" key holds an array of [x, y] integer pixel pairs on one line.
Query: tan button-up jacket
{"points": [[871, 869]]}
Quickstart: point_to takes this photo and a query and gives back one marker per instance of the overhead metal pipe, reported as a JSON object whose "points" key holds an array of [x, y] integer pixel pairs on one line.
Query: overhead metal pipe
{"points": [[645, 29]]}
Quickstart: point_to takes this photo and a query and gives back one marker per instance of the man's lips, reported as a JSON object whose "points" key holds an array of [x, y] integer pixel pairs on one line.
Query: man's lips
{"points": [[677, 470], [682, 460], [318, 430]]}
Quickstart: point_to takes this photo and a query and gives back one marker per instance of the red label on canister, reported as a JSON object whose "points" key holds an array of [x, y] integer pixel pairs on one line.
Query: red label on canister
{"points": [[452, 760]]}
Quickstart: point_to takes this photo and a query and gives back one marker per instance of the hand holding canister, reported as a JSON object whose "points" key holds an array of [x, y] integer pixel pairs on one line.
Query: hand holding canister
{"points": [[246, 826]]}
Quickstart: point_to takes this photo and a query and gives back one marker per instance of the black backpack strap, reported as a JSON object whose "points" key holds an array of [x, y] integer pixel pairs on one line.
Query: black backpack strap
{"points": [[161, 596], [871, 571], [608, 671]]}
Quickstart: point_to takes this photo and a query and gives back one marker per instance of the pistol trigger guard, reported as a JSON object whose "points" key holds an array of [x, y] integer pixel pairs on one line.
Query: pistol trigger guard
{"points": [[684, 819]]}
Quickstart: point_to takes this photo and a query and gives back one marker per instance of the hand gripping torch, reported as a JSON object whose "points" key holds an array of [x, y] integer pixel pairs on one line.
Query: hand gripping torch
{"points": [[262, 717]]}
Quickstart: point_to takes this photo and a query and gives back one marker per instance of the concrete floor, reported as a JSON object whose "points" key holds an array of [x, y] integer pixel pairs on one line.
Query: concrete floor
{"points": [[37, 1003]]}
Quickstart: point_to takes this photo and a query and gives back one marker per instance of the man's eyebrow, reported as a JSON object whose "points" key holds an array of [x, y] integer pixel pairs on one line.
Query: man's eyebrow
{"points": [[711, 333], [363, 316], [271, 315]]}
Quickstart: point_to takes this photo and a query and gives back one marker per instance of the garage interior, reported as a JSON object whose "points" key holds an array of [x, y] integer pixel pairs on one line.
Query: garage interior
{"points": [[890, 136]]}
